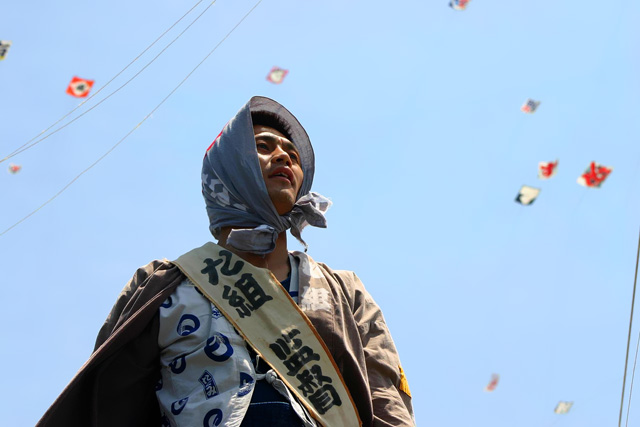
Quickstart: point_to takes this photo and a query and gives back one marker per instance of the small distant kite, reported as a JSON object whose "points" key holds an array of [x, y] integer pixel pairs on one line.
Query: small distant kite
{"points": [[563, 407], [527, 195], [277, 75], [594, 175], [530, 106], [493, 383], [4, 48], [459, 4], [547, 169], [14, 169], [79, 87]]}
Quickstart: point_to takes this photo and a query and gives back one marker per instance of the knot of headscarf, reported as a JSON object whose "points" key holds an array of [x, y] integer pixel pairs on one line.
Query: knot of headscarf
{"points": [[308, 210], [235, 192]]}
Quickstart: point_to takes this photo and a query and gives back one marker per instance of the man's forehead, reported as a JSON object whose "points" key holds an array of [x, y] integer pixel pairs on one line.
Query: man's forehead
{"points": [[263, 129]]}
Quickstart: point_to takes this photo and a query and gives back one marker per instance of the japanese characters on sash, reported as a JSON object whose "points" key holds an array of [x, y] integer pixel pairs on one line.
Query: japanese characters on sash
{"points": [[251, 299]]}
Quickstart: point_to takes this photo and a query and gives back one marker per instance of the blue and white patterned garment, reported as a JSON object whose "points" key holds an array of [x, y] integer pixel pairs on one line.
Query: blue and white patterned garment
{"points": [[208, 377]]}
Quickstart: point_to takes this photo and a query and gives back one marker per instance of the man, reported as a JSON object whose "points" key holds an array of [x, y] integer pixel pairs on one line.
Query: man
{"points": [[244, 333]]}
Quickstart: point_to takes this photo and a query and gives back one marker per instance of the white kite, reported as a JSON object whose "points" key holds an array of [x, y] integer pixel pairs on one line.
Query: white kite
{"points": [[527, 195], [563, 407]]}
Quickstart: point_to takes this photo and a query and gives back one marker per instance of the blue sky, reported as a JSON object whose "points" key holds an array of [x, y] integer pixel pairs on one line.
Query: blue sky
{"points": [[414, 113]]}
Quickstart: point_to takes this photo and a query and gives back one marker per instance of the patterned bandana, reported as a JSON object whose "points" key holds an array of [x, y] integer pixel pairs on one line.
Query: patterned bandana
{"points": [[234, 190]]}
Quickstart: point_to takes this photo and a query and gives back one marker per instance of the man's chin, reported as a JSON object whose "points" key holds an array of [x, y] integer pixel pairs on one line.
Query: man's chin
{"points": [[283, 202]]}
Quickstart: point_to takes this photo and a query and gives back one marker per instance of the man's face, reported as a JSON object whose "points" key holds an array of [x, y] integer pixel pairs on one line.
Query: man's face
{"points": [[280, 165]]}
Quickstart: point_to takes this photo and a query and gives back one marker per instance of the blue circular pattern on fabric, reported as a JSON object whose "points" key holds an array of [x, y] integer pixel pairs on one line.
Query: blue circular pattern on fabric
{"points": [[188, 324], [178, 406], [246, 381], [159, 384], [178, 364], [213, 418], [213, 345], [167, 303]]}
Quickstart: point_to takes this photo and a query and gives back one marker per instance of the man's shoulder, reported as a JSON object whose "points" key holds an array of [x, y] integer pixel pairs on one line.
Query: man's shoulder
{"points": [[150, 282], [156, 268]]}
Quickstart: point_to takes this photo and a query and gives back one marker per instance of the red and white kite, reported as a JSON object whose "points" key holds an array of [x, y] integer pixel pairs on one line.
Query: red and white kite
{"points": [[594, 175], [529, 106], [563, 407], [277, 75], [547, 169], [458, 4], [493, 383], [4, 48], [79, 87], [527, 195], [14, 168]]}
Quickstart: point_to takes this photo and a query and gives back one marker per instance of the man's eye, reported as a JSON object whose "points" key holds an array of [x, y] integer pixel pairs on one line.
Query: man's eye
{"points": [[293, 156], [262, 146]]}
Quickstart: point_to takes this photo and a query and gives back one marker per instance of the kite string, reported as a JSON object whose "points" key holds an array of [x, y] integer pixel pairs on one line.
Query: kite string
{"points": [[139, 124], [626, 360], [105, 85], [18, 151], [633, 374]]}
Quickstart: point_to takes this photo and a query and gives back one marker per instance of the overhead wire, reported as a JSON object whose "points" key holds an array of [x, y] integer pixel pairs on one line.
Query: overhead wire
{"points": [[106, 84], [31, 142], [626, 360], [138, 125]]}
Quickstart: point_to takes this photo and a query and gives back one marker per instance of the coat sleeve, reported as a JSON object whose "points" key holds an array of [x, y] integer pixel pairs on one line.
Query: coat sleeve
{"points": [[389, 388]]}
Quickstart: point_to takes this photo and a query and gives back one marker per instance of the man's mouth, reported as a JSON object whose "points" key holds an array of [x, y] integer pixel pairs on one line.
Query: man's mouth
{"points": [[283, 173]]}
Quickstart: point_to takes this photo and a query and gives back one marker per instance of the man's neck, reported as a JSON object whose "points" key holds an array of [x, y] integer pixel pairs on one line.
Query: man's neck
{"points": [[276, 261]]}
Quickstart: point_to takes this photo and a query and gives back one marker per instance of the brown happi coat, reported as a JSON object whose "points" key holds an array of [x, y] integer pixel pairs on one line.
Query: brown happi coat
{"points": [[116, 386]]}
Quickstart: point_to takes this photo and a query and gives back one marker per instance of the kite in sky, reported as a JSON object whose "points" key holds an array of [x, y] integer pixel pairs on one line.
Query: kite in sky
{"points": [[547, 169], [4, 48], [14, 169], [594, 175], [527, 195], [79, 87], [493, 383], [563, 407], [530, 106], [459, 4], [277, 75]]}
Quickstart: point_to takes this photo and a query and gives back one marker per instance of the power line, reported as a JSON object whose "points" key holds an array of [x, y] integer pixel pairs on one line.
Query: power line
{"points": [[626, 360], [31, 142], [138, 125]]}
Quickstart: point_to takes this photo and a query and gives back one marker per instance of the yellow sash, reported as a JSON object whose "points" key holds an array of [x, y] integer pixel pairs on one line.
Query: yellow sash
{"points": [[268, 319]]}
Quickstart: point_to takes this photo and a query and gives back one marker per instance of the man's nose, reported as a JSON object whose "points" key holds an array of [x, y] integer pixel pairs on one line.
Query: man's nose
{"points": [[281, 156]]}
